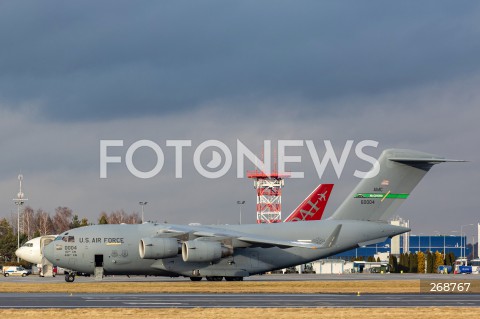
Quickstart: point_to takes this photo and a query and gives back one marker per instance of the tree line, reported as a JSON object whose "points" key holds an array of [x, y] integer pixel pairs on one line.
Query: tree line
{"points": [[419, 262], [40, 223]]}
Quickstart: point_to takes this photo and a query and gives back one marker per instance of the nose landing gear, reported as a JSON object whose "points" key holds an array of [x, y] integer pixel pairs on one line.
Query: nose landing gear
{"points": [[69, 276]]}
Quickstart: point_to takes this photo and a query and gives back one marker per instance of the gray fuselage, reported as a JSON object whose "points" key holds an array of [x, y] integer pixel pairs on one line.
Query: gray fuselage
{"points": [[116, 247]]}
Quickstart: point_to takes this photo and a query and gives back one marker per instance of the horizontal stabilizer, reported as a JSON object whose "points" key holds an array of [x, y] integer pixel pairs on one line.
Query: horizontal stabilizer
{"points": [[372, 242], [423, 163]]}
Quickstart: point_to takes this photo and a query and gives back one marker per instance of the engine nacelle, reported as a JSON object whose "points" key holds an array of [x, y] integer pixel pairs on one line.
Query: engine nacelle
{"points": [[158, 248], [204, 251]]}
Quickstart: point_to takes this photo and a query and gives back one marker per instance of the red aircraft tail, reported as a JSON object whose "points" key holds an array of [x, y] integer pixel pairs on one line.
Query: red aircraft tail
{"points": [[313, 206]]}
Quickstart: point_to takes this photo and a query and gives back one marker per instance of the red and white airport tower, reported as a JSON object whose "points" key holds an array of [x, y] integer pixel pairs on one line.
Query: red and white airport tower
{"points": [[269, 195]]}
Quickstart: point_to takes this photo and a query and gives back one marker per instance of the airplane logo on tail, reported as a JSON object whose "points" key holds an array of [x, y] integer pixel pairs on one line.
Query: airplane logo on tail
{"points": [[322, 196], [313, 206]]}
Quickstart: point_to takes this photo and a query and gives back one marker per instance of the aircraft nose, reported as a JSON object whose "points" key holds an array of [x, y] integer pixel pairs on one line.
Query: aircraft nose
{"points": [[20, 253], [48, 252]]}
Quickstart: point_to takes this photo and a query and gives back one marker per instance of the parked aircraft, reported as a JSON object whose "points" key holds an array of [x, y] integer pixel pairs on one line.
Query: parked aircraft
{"points": [[30, 251], [313, 206], [237, 251]]}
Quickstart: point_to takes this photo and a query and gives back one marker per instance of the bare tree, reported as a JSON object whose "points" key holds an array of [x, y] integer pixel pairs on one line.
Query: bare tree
{"points": [[44, 222], [14, 222], [29, 225], [62, 219], [134, 218], [119, 217], [116, 217]]}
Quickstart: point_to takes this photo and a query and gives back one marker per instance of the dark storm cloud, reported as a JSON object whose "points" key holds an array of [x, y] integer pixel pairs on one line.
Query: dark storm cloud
{"points": [[95, 60]]}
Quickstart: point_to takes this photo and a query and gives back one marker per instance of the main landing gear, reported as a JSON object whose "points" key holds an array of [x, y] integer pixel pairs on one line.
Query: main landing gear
{"points": [[217, 278]]}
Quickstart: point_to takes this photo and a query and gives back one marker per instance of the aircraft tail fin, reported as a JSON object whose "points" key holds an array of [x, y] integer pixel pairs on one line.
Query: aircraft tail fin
{"points": [[377, 198], [313, 206]]}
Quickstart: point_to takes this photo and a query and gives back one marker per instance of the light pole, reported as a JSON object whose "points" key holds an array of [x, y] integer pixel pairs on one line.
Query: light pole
{"points": [[454, 246], [240, 203], [142, 204], [419, 238], [465, 241], [478, 241], [19, 201], [444, 246], [438, 234]]}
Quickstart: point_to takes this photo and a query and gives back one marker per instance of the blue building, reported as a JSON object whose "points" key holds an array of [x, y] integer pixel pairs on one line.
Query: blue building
{"points": [[440, 243]]}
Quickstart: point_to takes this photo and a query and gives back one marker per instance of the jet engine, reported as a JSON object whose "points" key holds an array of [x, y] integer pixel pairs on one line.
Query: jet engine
{"points": [[158, 248], [204, 251]]}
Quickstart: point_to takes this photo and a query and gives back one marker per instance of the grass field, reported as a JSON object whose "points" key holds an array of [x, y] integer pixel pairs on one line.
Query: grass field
{"points": [[244, 313], [362, 286]]}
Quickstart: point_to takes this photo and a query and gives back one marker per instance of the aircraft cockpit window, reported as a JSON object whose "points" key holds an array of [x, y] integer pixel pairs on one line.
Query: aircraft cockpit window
{"points": [[68, 239], [28, 245]]}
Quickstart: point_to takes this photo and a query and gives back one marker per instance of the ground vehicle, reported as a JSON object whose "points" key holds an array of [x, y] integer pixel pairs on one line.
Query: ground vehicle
{"points": [[15, 271], [463, 266]]}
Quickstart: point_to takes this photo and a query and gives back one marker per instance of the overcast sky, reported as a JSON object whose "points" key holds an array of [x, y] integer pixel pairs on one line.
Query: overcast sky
{"points": [[405, 74]]}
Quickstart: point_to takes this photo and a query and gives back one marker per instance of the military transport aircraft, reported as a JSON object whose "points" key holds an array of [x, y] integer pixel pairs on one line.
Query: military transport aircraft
{"points": [[311, 208], [237, 251]]}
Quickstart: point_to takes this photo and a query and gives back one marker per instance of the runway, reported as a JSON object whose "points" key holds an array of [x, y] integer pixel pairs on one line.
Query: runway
{"points": [[238, 300], [39, 301]]}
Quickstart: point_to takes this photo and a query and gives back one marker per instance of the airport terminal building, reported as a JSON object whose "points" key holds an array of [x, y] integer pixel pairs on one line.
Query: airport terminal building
{"points": [[423, 243], [408, 243]]}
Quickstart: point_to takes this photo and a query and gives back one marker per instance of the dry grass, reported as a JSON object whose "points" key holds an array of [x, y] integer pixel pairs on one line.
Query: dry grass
{"points": [[245, 313], [362, 286]]}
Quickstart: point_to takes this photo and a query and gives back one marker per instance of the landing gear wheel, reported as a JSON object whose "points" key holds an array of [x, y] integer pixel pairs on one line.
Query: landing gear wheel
{"points": [[234, 278], [69, 277], [195, 278], [214, 278], [7, 274]]}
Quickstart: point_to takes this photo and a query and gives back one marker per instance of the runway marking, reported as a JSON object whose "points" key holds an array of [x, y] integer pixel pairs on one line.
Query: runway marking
{"points": [[126, 300], [226, 307], [213, 301], [153, 303]]}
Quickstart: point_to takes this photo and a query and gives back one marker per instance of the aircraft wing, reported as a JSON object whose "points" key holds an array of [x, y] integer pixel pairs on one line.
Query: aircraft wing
{"points": [[264, 241], [253, 240], [272, 242]]}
